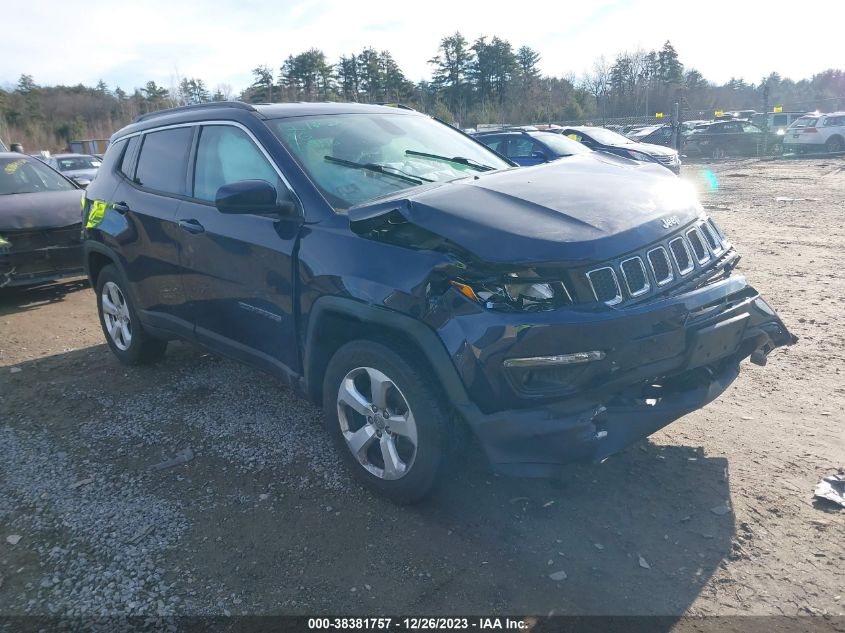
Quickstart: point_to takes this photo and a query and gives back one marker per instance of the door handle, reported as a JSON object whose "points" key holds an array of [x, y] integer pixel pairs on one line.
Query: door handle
{"points": [[192, 226], [120, 207]]}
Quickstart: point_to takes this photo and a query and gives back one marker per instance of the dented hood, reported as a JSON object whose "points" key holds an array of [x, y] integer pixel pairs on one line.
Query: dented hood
{"points": [[42, 210], [581, 208]]}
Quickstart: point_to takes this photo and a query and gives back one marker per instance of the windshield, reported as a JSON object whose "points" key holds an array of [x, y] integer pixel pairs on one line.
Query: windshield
{"points": [[353, 158], [561, 145], [24, 175], [73, 163]]}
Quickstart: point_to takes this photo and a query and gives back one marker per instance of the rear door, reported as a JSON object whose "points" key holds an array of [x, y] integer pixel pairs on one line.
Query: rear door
{"points": [[148, 198], [238, 268]]}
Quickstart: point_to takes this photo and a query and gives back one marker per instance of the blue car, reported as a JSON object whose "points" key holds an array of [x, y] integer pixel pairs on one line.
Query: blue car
{"points": [[531, 148], [419, 286]]}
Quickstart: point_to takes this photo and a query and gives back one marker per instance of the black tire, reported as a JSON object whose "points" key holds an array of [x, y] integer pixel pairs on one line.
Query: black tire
{"points": [[834, 144], [438, 438], [142, 348]]}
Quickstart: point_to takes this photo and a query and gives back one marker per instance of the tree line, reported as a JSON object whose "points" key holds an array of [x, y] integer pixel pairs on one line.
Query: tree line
{"points": [[488, 80]]}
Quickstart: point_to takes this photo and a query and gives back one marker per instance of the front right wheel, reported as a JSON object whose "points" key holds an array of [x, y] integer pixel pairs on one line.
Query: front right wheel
{"points": [[387, 420]]}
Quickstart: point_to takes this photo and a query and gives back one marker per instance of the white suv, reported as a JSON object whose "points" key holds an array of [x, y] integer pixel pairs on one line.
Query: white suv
{"points": [[816, 133]]}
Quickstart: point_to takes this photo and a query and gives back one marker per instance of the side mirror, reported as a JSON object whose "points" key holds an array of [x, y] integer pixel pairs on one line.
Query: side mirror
{"points": [[81, 181], [255, 197]]}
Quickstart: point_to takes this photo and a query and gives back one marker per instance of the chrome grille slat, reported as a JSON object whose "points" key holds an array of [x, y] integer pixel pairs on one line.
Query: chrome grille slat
{"points": [[661, 267], [711, 237], [702, 255], [605, 285], [682, 256], [636, 278]]}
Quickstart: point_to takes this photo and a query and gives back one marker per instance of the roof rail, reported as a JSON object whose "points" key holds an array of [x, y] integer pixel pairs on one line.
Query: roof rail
{"points": [[240, 105]]}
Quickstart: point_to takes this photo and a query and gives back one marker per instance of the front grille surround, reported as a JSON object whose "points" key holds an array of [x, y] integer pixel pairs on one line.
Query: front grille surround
{"points": [[661, 276], [699, 247], [635, 275], [598, 292], [686, 254], [714, 241]]}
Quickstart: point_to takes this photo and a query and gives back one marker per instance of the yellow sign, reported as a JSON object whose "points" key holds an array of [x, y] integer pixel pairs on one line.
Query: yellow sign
{"points": [[658, 115], [777, 109], [719, 113]]}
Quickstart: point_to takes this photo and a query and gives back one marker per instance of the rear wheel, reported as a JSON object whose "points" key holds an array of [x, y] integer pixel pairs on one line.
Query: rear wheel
{"points": [[387, 420], [119, 319], [834, 144]]}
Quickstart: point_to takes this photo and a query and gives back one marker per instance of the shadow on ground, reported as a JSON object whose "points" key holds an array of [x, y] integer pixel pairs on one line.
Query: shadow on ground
{"points": [[635, 535], [25, 298]]}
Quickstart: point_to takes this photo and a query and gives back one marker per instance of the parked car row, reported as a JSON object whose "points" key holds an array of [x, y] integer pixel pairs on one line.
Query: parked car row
{"points": [[532, 148]]}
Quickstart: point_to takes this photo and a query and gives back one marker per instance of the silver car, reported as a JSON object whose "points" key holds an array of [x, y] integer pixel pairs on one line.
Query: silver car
{"points": [[81, 168]]}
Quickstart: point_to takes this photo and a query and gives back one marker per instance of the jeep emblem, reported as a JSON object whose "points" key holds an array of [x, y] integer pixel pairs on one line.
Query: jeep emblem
{"points": [[671, 221]]}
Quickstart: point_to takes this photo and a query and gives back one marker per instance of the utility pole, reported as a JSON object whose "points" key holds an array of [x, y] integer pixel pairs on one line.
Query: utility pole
{"points": [[765, 120], [676, 126]]}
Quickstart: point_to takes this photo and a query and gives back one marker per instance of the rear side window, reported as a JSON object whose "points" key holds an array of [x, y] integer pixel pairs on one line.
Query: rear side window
{"points": [[164, 159], [779, 119], [113, 155], [129, 156], [834, 121], [226, 154]]}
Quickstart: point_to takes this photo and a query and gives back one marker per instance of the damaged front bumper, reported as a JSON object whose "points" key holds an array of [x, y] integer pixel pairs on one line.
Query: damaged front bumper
{"points": [[658, 362], [38, 256]]}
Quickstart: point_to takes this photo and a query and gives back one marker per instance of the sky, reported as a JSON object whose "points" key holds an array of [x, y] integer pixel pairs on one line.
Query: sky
{"points": [[126, 43]]}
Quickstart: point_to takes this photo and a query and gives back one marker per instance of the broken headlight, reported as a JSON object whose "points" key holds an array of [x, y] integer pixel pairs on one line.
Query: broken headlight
{"points": [[516, 291]]}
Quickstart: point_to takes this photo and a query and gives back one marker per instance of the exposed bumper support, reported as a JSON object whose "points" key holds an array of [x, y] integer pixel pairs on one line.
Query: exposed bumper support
{"points": [[536, 443]]}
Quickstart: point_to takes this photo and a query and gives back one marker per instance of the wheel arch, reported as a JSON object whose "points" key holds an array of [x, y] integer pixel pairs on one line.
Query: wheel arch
{"points": [[335, 321], [97, 257]]}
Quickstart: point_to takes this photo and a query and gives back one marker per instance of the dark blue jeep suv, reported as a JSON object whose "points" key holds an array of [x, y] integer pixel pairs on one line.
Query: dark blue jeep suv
{"points": [[416, 284]]}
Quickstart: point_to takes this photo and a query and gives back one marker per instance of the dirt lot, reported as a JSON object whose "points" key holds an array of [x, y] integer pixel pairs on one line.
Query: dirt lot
{"points": [[263, 519]]}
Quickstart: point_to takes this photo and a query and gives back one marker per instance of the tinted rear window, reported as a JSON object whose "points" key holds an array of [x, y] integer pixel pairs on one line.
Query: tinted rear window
{"points": [[128, 156], [163, 160]]}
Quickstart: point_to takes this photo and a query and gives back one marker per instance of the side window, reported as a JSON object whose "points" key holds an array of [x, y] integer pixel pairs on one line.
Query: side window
{"points": [[129, 156], [226, 154], [496, 143], [521, 146], [749, 128], [779, 119], [163, 160]]}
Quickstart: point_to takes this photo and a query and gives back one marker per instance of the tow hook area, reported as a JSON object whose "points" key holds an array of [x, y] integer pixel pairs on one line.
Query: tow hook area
{"points": [[760, 356]]}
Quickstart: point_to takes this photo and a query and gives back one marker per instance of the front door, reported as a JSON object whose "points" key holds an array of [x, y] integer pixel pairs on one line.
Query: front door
{"points": [[238, 269]]}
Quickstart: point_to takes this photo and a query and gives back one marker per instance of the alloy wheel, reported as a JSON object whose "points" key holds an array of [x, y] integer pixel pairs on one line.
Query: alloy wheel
{"points": [[377, 423], [116, 315]]}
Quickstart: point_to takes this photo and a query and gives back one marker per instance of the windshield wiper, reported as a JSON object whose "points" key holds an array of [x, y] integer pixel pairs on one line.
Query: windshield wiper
{"points": [[379, 169], [460, 160]]}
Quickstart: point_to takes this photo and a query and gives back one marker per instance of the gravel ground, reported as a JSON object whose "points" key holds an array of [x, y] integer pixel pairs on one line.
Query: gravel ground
{"points": [[199, 486]]}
